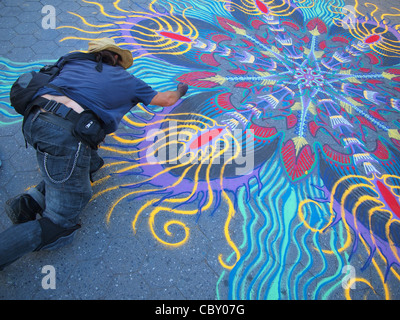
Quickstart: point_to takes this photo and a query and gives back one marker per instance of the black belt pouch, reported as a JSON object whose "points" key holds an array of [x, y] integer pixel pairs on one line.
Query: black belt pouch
{"points": [[89, 130]]}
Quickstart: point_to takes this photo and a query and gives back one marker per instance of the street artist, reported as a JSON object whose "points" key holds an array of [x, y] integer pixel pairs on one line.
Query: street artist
{"points": [[46, 216]]}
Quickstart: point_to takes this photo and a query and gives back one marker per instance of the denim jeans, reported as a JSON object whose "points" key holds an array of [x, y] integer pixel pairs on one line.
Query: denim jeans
{"points": [[65, 165]]}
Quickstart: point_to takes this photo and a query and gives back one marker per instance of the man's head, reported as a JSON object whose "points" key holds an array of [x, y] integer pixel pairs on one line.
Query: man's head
{"points": [[125, 58]]}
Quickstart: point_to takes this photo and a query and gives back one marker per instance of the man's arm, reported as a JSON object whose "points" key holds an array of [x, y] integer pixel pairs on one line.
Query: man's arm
{"points": [[169, 98]]}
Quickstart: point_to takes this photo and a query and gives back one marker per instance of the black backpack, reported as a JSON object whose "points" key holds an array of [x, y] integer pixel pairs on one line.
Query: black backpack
{"points": [[26, 86]]}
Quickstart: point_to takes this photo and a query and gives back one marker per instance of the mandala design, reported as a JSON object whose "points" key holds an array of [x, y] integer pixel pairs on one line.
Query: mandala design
{"points": [[291, 123]]}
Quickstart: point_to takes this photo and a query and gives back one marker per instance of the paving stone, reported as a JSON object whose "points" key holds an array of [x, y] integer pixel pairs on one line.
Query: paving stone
{"points": [[26, 28], [9, 22], [7, 34]]}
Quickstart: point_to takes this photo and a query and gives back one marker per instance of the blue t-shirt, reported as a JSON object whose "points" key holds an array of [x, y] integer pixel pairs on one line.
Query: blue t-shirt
{"points": [[110, 93]]}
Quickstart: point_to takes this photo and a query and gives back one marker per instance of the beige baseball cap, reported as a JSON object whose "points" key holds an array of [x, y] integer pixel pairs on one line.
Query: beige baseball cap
{"points": [[109, 44]]}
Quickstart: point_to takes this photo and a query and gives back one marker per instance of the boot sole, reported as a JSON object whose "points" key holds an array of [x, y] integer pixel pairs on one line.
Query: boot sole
{"points": [[12, 215]]}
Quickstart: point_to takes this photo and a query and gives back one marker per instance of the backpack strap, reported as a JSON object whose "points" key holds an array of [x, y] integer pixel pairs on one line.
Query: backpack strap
{"points": [[80, 56], [49, 85], [75, 56]]}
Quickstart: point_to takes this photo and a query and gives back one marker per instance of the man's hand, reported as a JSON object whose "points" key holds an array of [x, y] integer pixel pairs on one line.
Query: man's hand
{"points": [[182, 88], [169, 98]]}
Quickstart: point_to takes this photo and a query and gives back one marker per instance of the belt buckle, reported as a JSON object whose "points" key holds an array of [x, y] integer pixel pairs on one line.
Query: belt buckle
{"points": [[52, 106], [57, 108], [63, 111]]}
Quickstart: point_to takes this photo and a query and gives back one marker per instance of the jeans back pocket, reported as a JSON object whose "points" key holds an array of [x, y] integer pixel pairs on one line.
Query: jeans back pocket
{"points": [[58, 169]]}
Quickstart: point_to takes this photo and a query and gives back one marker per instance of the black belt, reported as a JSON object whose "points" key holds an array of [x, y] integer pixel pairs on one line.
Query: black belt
{"points": [[56, 108]]}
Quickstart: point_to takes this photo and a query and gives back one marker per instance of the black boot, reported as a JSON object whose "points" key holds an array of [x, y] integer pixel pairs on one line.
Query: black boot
{"points": [[22, 208]]}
